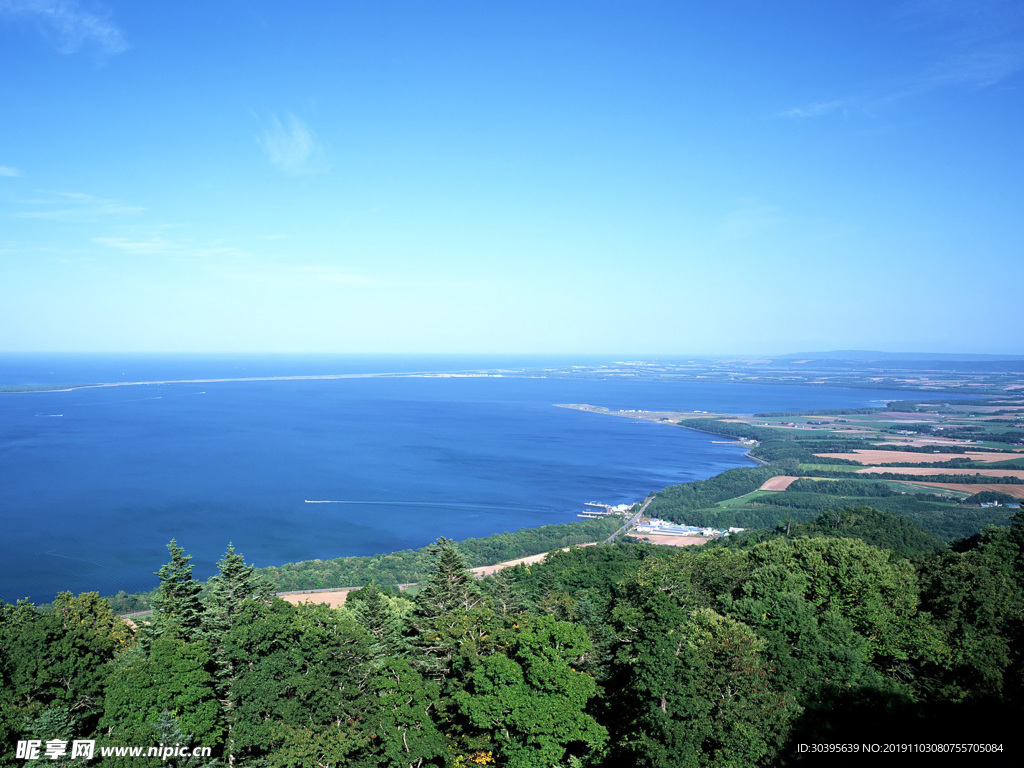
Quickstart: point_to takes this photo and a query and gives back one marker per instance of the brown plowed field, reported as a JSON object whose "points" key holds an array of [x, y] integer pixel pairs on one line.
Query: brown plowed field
{"points": [[334, 599], [989, 408], [921, 442], [780, 483], [1018, 473], [674, 541], [908, 457], [1017, 491]]}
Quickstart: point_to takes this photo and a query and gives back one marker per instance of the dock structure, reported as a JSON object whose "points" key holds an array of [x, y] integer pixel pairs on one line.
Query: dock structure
{"points": [[601, 510]]}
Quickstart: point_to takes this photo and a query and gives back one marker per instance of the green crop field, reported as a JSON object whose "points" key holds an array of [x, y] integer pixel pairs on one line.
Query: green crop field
{"points": [[828, 468], [746, 498]]}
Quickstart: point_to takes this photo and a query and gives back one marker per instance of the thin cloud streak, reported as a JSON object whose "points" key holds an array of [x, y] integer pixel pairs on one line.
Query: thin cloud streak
{"points": [[9, 172], [976, 44], [147, 243], [979, 68], [237, 265], [77, 206], [140, 247], [69, 25], [812, 110], [981, 40]]}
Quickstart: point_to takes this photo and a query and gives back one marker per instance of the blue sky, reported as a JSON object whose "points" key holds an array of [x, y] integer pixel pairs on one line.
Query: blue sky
{"points": [[552, 177]]}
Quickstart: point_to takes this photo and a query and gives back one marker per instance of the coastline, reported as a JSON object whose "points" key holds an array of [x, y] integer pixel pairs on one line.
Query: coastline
{"points": [[670, 419]]}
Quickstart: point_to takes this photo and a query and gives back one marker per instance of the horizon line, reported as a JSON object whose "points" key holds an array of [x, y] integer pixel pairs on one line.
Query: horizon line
{"points": [[621, 356]]}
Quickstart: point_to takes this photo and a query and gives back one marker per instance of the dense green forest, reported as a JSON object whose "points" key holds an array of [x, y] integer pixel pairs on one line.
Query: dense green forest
{"points": [[618, 655]]}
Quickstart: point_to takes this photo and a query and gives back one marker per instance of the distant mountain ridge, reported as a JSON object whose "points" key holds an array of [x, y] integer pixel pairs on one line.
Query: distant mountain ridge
{"points": [[860, 355], [935, 362]]}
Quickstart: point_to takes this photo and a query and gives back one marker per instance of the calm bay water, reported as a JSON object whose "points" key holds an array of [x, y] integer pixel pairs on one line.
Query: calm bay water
{"points": [[96, 481]]}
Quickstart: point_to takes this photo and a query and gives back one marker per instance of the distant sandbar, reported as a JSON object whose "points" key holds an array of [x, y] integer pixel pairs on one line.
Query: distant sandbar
{"points": [[22, 388]]}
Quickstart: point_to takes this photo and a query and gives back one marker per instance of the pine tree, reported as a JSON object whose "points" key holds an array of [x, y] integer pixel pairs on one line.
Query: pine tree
{"points": [[177, 607], [505, 593], [450, 585], [373, 611], [234, 583], [442, 607]]}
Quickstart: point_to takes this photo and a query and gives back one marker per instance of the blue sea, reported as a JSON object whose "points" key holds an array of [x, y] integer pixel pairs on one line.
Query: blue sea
{"points": [[96, 481]]}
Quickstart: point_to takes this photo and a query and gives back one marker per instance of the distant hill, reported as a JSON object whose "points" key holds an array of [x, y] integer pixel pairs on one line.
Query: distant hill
{"points": [[860, 355], [939, 361]]}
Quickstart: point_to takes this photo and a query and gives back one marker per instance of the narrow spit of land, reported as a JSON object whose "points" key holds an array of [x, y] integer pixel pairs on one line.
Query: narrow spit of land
{"points": [[27, 388]]}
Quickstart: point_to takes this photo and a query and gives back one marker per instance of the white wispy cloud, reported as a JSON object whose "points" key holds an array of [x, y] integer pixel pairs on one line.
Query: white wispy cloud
{"points": [[75, 206], [6, 170], [816, 109], [154, 241], [978, 68], [971, 44], [227, 262], [978, 42], [147, 247], [291, 146], [70, 26]]}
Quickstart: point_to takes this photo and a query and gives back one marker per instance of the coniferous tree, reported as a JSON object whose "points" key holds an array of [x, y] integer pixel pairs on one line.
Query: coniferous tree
{"points": [[441, 617], [373, 610], [450, 586], [234, 583], [177, 607], [505, 593]]}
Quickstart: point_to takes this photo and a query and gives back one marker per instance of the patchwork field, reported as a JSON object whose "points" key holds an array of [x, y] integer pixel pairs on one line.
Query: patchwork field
{"points": [[864, 456], [828, 468], [1016, 491], [333, 599], [923, 442], [674, 541], [1018, 473], [779, 483]]}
